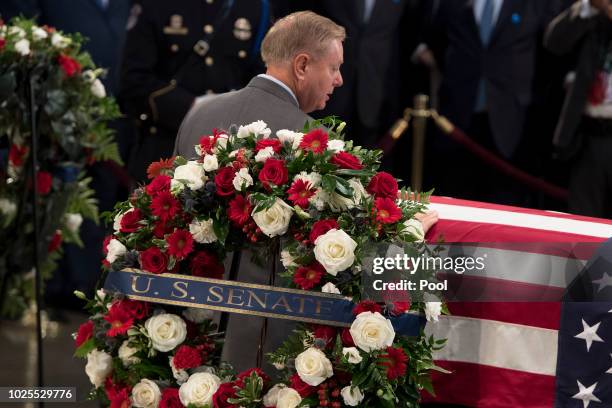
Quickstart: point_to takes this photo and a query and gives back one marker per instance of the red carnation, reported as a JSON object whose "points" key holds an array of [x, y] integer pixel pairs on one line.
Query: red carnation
{"points": [[163, 166], [223, 393], [326, 333], [247, 373], [180, 243], [383, 185], [120, 319], [301, 387], [84, 333], [306, 277], [314, 141], [135, 308], [206, 265], [321, 227], [55, 242], [130, 221], [366, 306], [395, 361], [224, 181], [16, 154], [170, 399], [159, 184], [239, 210], [347, 339], [300, 192], [346, 160], [387, 212], [165, 206], [274, 172], [207, 143], [275, 144], [69, 65], [44, 182], [187, 357], [153, 260]]}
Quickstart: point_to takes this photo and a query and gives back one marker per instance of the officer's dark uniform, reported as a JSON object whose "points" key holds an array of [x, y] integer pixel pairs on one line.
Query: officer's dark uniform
{"points": [[179, 50]]}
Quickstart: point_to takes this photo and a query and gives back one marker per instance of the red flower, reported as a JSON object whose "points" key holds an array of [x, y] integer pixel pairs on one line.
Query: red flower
{"points": [[159, 184], [120, 320], [55, 242], [347, 339], [16, 154], [130, 221], [117, 394], [170, 399], [274, 172], [207, 143], [395, 361], [306, 277], [44, 182], [224, 181], [187, 357], [383, 185], [326, 333], [301, 387], [165, 206], [275, 144], [2, 43], [162, 166], [84, 333], [321, 227], [387, 212], [135, 308], [69, 65], [398, 308], [180, 243], [153, 260], [366, 306], [223, 393], [314, 141], [247, 373], [300, 192], [161, 229], [206, 265], [239, 210], [346, 160], [107, 239]]}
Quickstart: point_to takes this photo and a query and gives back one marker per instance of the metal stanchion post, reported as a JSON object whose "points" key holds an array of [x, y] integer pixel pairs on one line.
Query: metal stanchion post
{"points": [[420, 113]]}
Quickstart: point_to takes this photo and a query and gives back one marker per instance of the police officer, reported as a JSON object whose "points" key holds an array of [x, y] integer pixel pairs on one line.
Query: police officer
{"points": [[181, 50]]}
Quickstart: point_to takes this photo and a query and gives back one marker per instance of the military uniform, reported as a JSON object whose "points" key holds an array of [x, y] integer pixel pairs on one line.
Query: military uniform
{"points": [[179, 50]]}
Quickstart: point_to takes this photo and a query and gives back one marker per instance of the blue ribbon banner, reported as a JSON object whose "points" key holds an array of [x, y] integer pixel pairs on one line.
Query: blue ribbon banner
{"points": [[245, 298]]}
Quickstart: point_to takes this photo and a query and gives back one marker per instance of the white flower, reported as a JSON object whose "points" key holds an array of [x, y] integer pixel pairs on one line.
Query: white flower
{"points": [[335, 145], [286, 259], [242, 180], [146, 394], [38, 33], [264, 154], [313, 178], [371, 331], [97, 88], [166, 331], [335, 250], [352, 354], [288, 398], [275, 220], [290, 137], [22, 47], [279, 366], [271, 397], [414, 227], [330, 288], [181, 376], [17, 31], [73, 221], [59, 41], [222, 140], [233, 153], [197, 315], [256, 128], [199, 389], [127, 354], [98, 367], [191, 174], [359, 192], [352, 396], [117, 221], [115, 249], [339, 203], [8, 207], [433, 310], [210, 162], [313, 366], [203, 231], [101, 294]]}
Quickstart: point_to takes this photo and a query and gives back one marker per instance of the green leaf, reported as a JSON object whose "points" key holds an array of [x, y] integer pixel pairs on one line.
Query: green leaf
{"points": [[85, 348]]}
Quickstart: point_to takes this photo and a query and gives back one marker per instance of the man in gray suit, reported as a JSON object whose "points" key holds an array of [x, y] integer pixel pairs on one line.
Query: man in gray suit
{"points": [[303, 53]]}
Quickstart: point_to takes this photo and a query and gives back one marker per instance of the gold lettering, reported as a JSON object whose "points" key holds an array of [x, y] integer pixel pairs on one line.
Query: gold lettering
{"points": [[231, 296], [252, 296], [282, 302], [182, 288], [301, 301], [135, 281], [217, 291], [320, 306]]}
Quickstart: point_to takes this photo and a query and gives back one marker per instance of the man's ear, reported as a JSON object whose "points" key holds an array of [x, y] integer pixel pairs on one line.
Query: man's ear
{"points": [[300, 63]]}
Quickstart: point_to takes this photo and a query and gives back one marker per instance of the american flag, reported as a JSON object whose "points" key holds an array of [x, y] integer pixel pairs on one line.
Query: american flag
{"points": [[524, 354]]}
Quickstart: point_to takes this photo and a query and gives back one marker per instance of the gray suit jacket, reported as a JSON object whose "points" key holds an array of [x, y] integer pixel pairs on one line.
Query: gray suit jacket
{"points": [[261, 99]]}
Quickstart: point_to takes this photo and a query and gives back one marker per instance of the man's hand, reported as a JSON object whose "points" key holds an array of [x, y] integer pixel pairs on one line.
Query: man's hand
{"points": [[604, 6], [427, 219]]}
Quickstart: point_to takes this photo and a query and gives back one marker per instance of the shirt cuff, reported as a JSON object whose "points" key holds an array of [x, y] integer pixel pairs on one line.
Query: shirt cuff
{"points": [[586, 10]]}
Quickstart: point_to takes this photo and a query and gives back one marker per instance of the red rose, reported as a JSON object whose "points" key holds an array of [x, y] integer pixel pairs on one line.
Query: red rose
{"points": [[84, 333], [153, 260], [275, 172], [117, 394], [347, 339], [321, 227], [130, 221], [170, 399], [223, 393], [346, 160], [239, 210], [44, 182], [55, 242], [301, 387], [187, 357], [366, 306], [16, 154], [69, 65], [383, 185], [206, 265], [135, 308], [160, 183], [224, 181], [326, 333], [275, 144]]}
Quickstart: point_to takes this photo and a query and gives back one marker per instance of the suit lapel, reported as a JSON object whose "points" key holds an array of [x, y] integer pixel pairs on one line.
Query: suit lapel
{"points": [[468, 15], [508, 7]]}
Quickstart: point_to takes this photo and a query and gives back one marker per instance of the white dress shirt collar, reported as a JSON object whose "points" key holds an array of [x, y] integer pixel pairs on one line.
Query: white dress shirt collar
{"points": [[281, 83]]}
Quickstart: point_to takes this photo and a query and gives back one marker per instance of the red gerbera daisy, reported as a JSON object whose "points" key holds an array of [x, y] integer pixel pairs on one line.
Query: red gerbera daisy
{"points": [[306, 277], [387, 212], [120, 320], [165, 206], [315, 141], [395, 361], [180, 243], [239, 210], [162, 166], [300, 192]]}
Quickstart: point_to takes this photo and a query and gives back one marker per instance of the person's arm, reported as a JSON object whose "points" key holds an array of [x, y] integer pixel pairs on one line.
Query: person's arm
{"points": [[569, 27]]}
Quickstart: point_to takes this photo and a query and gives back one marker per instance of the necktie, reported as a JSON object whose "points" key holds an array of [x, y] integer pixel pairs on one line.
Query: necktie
{"points": [[103, 4], [486, 27]]}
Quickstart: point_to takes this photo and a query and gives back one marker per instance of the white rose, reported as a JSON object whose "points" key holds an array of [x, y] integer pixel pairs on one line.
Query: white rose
{"points": [[264, 154], [59, 41], [97, 88], [98, 367], [352, 355], [191, 174], [199, 389], [39, 34], [433, 310], [22, 47], [115, 249], [275, 220], [288, 398], [17, 31], [335, 145], [203, 231], [146, 394], [256, 128], [197, 315], [210, 162], [242, 180], [8, 207], [352, 396], [313, 366], [271, 397], [166, 331], [414, 227], [330, 288], [335, 250], [73, 221], [286, 259], [181, 376], [371, 331], [127, 354]]}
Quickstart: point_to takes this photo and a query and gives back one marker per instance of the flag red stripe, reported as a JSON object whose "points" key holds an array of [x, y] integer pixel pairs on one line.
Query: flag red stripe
{"points": [[538, 314]]}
